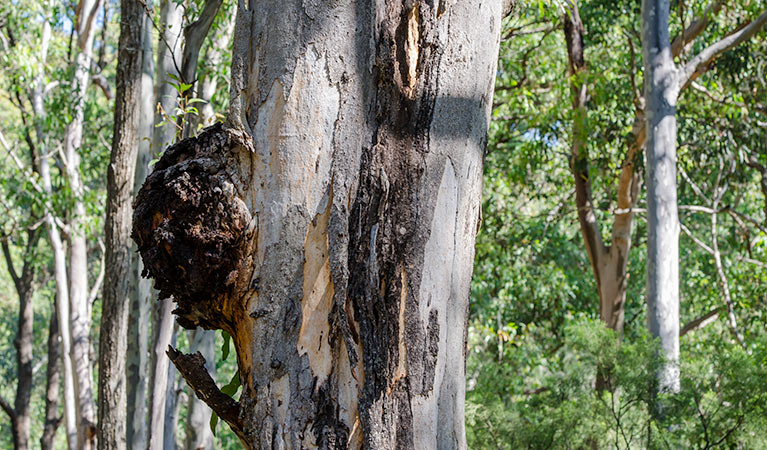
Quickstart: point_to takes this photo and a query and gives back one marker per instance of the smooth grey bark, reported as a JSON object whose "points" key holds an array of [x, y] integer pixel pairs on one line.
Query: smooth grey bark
{"points": [[114, 318], [141, 288], [58, 249], [343, 199], [52, 419], [162, 330], [662, 85], [168, 66], [198, 433], [660, 92], [213, 57], [170, 412], [80, 323]]}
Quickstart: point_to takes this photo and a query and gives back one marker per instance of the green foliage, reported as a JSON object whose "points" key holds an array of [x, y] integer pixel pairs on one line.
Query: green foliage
{"points": [[723, 399]]}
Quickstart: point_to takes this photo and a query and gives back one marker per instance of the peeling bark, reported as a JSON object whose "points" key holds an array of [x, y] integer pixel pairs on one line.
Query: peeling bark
{"points": [[608, 261], [333, 217]]}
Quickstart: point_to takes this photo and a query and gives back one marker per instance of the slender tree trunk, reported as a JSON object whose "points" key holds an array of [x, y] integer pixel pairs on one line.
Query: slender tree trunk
{"points": [[608, 262], [162, 329], [24, 341], [170, 412], [52, 376], [59, 252], [209, 84], [141, 288], [337, 212], [661, 90], [198, 433], [168, 65], [114, 318], [80, 324]]}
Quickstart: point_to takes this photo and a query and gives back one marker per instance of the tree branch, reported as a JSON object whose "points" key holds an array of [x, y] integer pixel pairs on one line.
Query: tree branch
{"points": [[7, 408], [192, 368], [9, 264], [99, 279], [695, 28], [194, 36], [701, 321], [697, 65]]}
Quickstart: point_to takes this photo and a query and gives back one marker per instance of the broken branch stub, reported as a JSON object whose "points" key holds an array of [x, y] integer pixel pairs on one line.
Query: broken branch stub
{"points": [[191, 227]]}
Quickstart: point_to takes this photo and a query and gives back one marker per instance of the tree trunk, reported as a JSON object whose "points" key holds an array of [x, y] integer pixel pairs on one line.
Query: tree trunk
{"points": [[170, 416], [208, 85], [78, 248], [141, 288], [198, 433], [168, 60], [114, 318], [661, 90], [19, 414], [608, 262], [329, 226], [52, 375], [58, 250]]}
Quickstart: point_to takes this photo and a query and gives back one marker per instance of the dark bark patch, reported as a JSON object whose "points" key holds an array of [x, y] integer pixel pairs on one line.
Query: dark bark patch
{"points": [[190, 226]]}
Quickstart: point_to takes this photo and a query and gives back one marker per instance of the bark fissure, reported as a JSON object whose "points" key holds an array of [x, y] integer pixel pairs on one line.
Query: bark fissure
{"points": [[361, 189]]}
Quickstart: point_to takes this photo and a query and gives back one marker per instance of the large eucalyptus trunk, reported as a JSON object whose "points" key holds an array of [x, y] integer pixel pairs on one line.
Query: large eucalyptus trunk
{"points": [[114, 318], [329, 225], [661, 87], [141, 288], [78, 248]]}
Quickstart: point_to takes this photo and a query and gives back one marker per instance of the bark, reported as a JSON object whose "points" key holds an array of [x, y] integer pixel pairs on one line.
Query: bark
{"points": [[329, 225], [168, 61], [24, 341], [58, 250], [114, 318], [80, 323], [170, 411], [141, 289], [52, 375], [198, 433], [660, 90], [608, 262], [213, 56], [162, 329]]}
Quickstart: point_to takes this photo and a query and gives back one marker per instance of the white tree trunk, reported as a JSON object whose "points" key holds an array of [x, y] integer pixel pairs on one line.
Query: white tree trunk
{"points": [[78, 248], [168, 64], [198, 433], [660, 91], [141, 288], [337, 212], [59, 253]]}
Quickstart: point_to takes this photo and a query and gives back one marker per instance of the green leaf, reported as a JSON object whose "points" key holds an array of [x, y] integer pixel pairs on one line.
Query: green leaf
{"points": [[231, 388], [213, 422]]}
